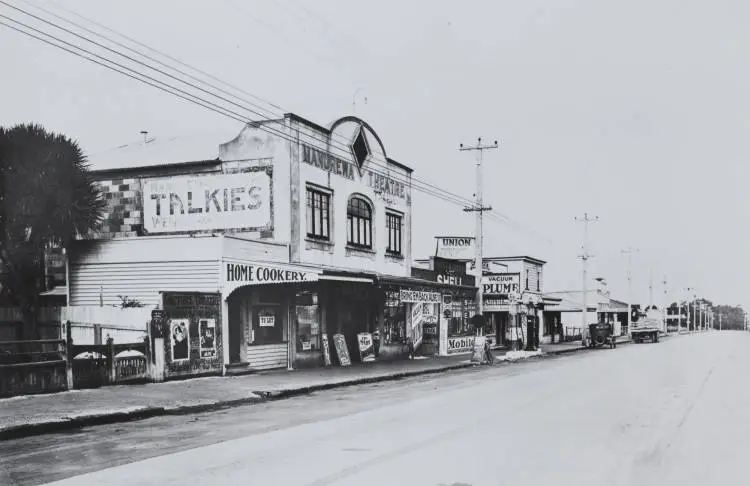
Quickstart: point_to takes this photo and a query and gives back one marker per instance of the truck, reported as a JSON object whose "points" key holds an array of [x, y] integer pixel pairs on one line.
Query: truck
{"points": [[649, 327]]}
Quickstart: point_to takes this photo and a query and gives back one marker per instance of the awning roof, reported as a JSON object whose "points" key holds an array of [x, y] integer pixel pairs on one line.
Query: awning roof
{"points": [[405, 281]]}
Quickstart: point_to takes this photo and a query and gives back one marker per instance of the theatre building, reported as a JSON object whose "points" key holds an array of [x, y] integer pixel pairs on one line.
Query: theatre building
{"points": [[286, 245]]}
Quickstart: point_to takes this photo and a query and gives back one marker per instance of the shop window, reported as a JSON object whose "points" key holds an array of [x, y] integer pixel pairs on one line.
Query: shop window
{"points": [[394, 223], [318, 214], [308, 322], [394, 319], [359, 223], [459, 321]]}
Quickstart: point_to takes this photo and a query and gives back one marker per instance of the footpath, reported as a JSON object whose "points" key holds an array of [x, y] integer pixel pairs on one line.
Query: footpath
{"points": [[39, 414]]}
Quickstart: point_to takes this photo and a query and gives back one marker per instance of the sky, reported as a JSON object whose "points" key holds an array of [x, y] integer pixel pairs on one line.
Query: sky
{"points": [[633, 112]]}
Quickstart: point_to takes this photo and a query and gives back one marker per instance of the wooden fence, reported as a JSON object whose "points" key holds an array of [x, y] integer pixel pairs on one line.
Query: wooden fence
{"points": [[49, 365], [91, 325], [39, 366]]}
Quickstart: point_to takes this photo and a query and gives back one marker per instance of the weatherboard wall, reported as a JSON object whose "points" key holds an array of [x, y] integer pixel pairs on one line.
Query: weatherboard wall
{"points": [[101, 271]]}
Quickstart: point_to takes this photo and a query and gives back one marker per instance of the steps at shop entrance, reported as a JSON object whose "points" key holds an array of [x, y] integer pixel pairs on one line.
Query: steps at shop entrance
{"points": [[239, 369]]}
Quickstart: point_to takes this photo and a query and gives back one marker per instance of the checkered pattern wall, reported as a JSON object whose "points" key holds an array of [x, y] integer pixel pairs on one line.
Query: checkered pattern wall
{"points": [[122, 215]]}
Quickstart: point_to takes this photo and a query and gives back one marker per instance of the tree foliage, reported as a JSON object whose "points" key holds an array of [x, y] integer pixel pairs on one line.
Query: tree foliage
{"points": [[46, 198], [732, 317]]}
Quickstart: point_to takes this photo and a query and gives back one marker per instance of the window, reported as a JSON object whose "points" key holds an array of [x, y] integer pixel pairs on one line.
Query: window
{"points": [[318, 214], [359, 223], [308, 322], [394, 319], [527, 279], [538, 281], [393, 222]]}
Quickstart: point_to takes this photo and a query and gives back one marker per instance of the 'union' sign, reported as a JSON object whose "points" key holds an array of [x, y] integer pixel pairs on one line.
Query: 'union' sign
{"points": [[207, 202]]}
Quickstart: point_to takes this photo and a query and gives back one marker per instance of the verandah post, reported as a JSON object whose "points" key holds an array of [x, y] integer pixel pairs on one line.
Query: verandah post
{"points": [[111, 360], [68, 355]]}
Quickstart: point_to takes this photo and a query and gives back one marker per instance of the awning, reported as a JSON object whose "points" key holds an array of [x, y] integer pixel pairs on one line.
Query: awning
{"points": [[346, 278], [241, 273], [385, 280]]}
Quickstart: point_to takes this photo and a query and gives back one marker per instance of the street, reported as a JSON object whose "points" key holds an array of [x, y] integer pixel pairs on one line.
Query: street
{"points": [[666, 413]]}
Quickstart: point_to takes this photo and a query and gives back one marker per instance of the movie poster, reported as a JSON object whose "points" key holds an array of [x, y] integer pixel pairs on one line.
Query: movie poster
{"points": [[207, 330], [179, 336]]}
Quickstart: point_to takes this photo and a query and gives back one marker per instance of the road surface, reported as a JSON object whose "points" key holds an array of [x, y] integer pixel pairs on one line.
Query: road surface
{"points": [[668, 413]]}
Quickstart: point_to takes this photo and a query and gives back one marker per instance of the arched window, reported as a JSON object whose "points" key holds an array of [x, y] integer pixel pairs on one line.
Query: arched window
{"points": [[359, 222]]}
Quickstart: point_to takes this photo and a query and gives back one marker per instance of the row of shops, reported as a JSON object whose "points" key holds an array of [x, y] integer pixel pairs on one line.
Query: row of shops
{"points": [[290, 247]]}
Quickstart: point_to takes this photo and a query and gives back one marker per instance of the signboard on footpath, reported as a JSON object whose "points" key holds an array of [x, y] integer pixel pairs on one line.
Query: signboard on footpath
{"points": [[339, 342], [326, 350], [366, 347], [207, 202], [478, 353]]}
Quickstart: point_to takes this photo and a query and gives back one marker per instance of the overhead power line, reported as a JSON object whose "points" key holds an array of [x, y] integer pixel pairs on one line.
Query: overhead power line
{"points": [[419, 185]]}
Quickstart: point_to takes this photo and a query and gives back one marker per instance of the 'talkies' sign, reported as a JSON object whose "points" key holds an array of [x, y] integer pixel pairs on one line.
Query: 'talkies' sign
{"points": [[501, 284], [207, 202]]}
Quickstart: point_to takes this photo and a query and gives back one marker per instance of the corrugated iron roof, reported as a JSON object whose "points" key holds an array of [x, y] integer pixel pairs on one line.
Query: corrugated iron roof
{"points": [[162, 151]]}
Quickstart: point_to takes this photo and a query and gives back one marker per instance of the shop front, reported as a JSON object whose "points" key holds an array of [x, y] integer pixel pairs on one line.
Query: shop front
{"points": [[449, 330], [501, 293]]}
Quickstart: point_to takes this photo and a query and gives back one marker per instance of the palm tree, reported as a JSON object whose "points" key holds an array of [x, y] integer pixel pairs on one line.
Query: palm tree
{"points": [[46, 198]]}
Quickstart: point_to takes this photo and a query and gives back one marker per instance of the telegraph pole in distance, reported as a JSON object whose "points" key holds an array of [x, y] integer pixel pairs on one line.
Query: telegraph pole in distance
{"points": [[479, 208], [664, 306], [584, 259], [629, 252]]}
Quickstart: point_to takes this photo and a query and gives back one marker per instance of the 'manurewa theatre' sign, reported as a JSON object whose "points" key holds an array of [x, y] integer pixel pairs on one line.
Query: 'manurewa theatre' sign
{"points": [[207, 202]]}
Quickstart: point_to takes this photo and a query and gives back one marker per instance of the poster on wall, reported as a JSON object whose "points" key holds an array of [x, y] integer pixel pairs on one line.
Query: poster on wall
{"points": [[326, 350], [366, 347], [339, 342], [207, 331], [417, 316], [462, 344], [266, 318], [179, 338]]}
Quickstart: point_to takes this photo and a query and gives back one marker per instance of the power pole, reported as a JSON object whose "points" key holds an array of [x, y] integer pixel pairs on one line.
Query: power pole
{"points": [[720, 316], [687, 308], [664, 305], [696, 320], [629, 252], [479, 208], [650, 287], [584, 259]]}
